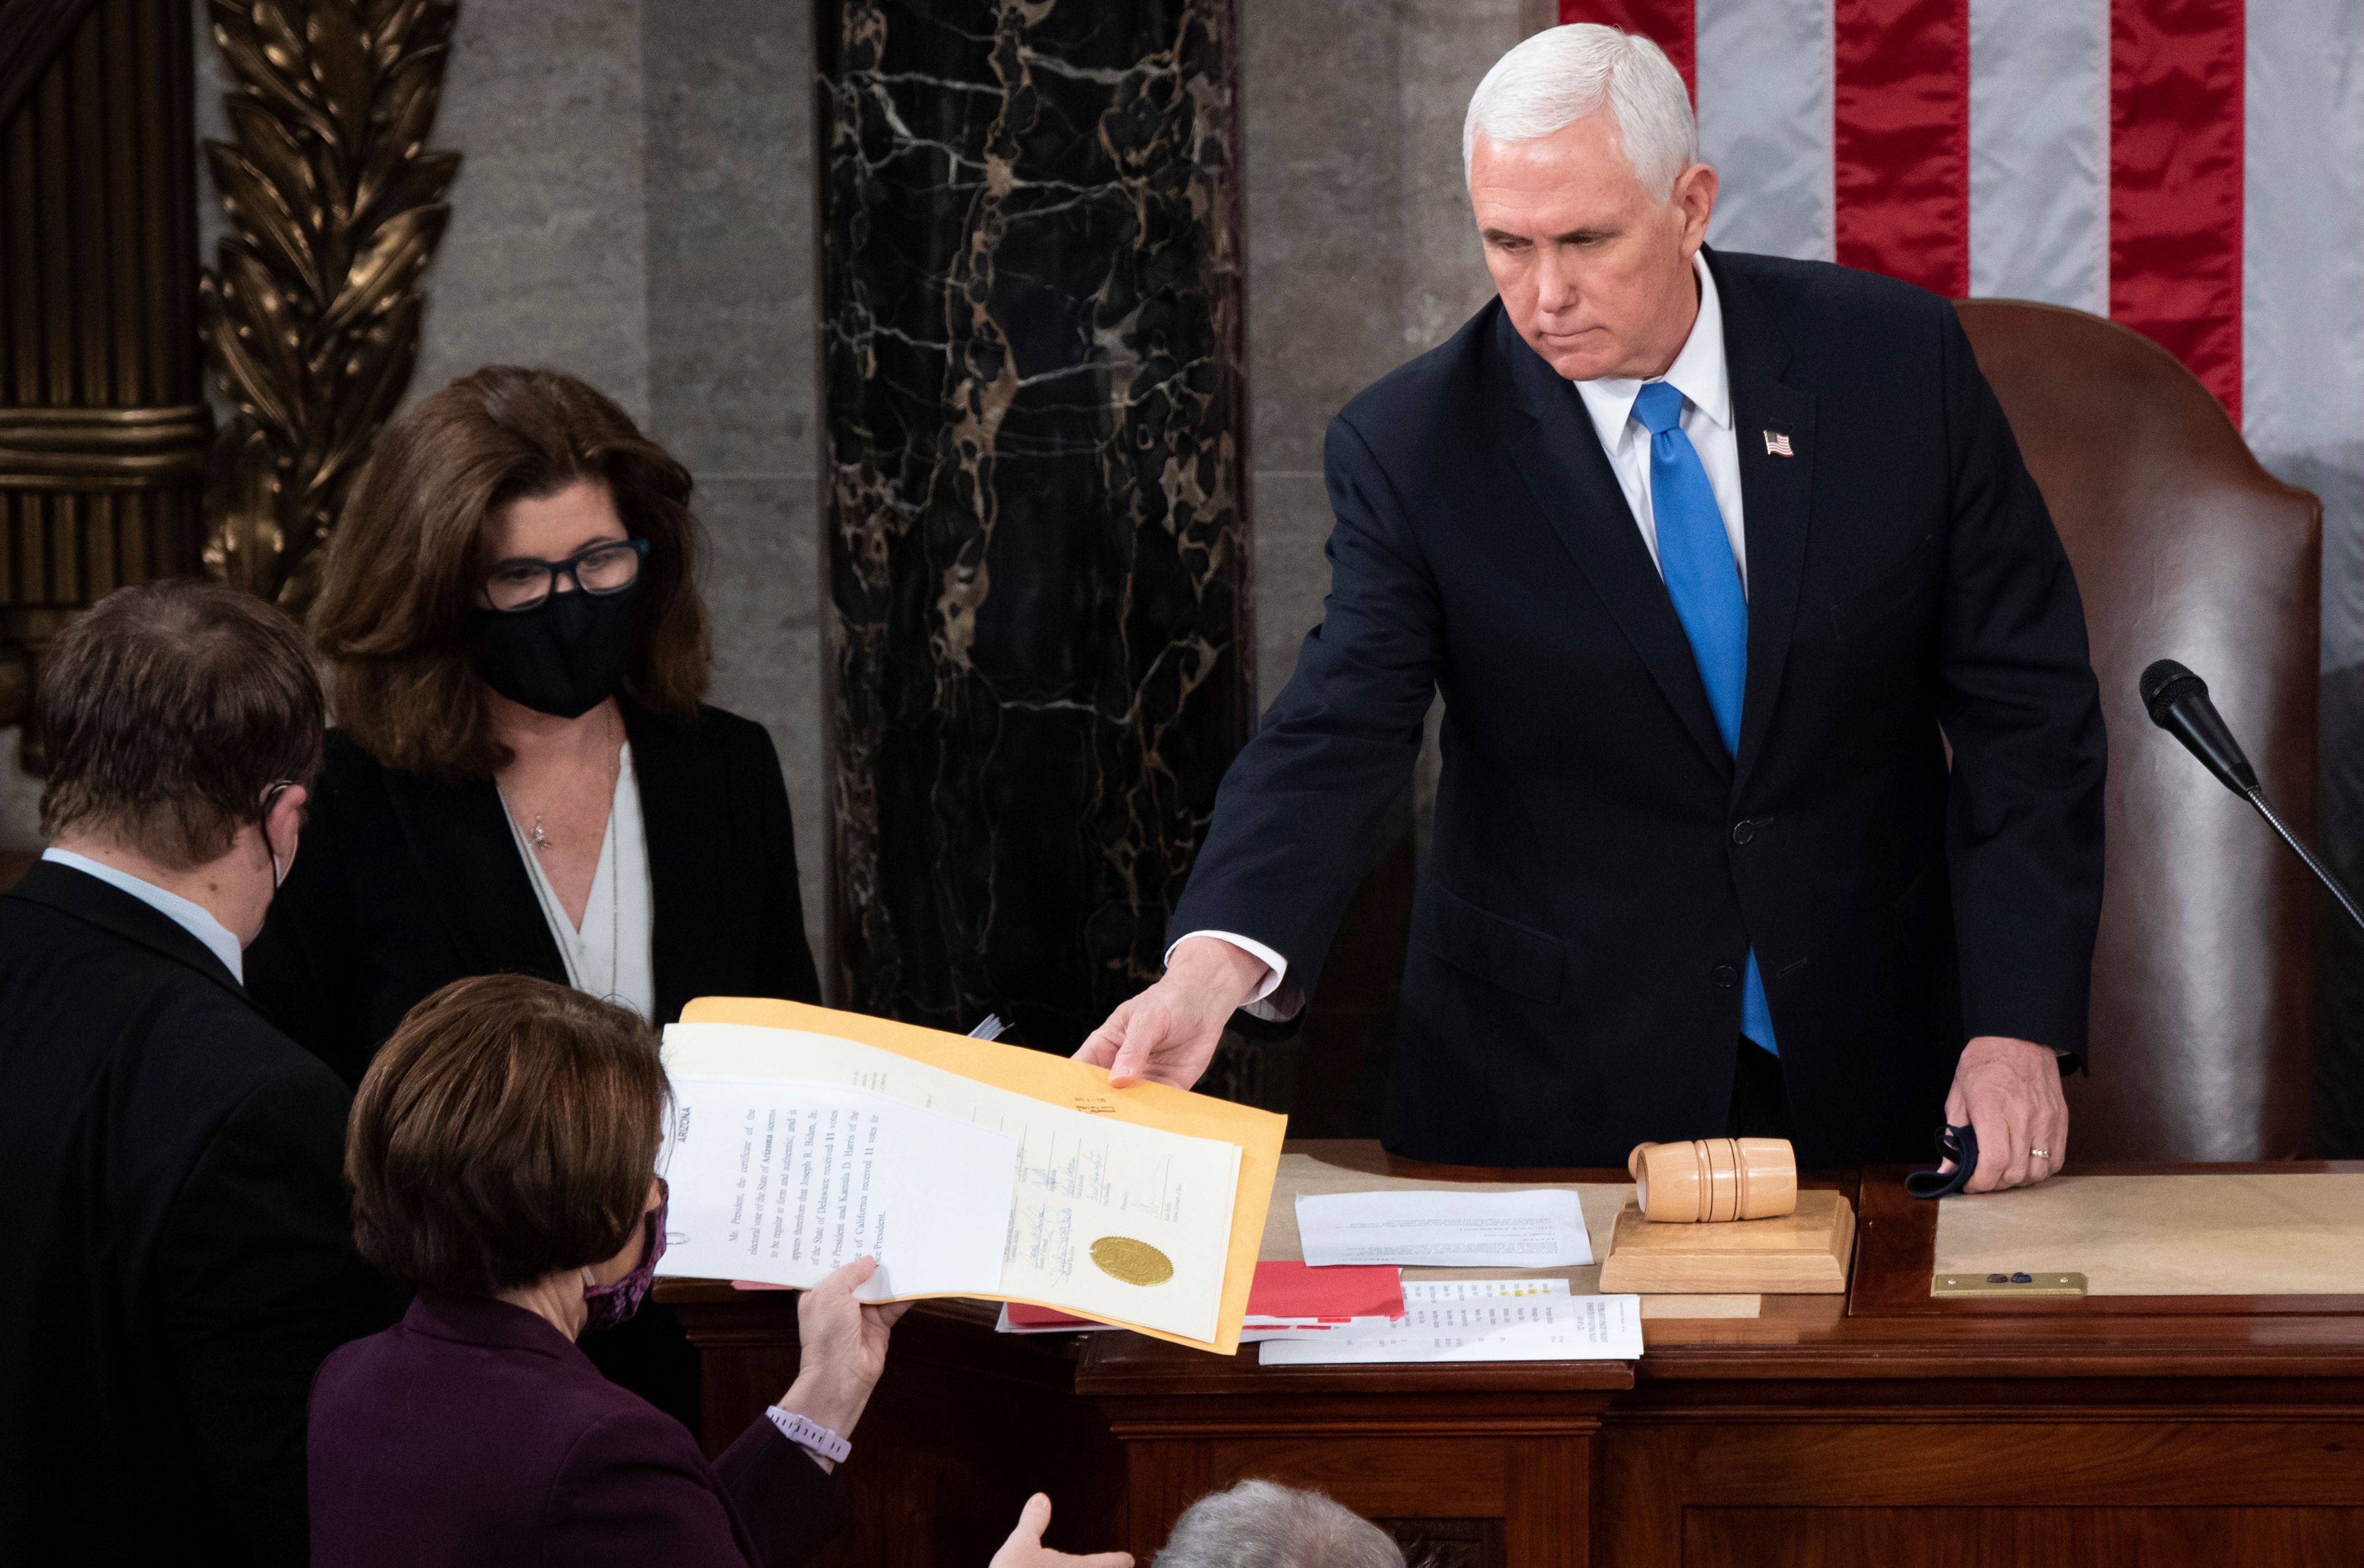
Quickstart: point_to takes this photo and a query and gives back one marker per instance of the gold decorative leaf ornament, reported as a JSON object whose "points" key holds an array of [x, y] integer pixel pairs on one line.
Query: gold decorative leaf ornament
{"points": [[310, 316]]}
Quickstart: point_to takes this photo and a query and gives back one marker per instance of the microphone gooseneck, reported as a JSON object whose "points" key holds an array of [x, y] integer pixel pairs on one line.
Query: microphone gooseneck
{"points": [[2177, 701]]}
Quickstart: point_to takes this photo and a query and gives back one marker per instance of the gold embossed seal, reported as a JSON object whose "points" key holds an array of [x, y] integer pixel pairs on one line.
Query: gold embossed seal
{"points": [[1136, 1262]]}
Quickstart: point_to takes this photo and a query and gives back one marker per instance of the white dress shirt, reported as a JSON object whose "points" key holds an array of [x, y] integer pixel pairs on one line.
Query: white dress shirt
{"points": [[1701, 374], [187, 914], [608, 956], [1703, 378]]}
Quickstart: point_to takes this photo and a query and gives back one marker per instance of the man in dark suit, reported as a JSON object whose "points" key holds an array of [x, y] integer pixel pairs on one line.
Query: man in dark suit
{"points": [[181, 1257], [1711, 558]]}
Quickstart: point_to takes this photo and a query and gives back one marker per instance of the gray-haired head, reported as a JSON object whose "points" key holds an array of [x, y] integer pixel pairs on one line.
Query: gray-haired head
{"points": [[1260, 1524], [1562, 74]]}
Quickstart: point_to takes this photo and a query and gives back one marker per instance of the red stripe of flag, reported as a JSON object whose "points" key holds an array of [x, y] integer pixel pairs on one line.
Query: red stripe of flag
{"points": [[2175, 181], [1901, 140], [1672, 24]]}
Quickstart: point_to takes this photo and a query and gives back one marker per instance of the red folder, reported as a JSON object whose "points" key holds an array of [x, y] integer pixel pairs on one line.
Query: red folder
{"points": [[1290, 1291], [1301, 1293]]}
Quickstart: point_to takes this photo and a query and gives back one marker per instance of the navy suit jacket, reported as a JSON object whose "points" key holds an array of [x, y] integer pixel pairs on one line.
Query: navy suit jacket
{"points": [[178, 1255], [474, 1432], [1601, 866]]}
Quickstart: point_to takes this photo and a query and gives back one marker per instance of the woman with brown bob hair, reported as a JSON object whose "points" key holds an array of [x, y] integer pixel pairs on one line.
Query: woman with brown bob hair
{"points": [[502, 1153], [524, 778]]}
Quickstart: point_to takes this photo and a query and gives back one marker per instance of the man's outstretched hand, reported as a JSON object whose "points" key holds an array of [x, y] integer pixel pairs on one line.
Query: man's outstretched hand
{"points": [[2008, 1092], [1167, 1033]]}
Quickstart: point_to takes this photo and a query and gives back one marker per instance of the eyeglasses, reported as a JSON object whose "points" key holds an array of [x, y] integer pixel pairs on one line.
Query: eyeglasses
{"points": [[523, 582]]}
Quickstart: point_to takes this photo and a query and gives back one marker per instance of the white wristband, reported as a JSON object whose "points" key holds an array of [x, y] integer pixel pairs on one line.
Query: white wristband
{"points": [[810, 1435]]}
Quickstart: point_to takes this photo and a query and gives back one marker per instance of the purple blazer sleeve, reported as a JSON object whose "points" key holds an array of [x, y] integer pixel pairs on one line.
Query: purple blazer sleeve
{"points": [[787, 1502], [635, 1490]]}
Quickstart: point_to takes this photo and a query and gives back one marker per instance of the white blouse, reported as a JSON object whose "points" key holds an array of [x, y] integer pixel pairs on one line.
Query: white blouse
{"points": [[609, 956]]}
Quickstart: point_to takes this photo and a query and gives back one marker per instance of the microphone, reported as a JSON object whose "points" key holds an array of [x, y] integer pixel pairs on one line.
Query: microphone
{"points": [[2177, 701]]}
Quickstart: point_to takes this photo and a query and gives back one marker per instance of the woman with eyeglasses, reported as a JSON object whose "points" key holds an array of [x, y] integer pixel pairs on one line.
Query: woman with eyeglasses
{"points": [[524, 778]]}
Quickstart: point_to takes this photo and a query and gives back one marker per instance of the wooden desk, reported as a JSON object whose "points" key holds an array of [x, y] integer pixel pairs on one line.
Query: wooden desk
{"points": [[1877, 1428]]}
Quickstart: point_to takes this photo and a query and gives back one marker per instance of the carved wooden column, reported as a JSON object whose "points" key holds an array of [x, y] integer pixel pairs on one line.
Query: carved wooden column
{"points": [[103, 425], [1037, 533]]}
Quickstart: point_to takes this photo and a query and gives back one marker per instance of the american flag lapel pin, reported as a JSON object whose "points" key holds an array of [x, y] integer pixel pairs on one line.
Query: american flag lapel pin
{"points": [[1776, 444]]}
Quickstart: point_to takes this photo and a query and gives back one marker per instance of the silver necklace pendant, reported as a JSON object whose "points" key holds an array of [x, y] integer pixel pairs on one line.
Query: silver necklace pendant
{"points": [[538, 837]]}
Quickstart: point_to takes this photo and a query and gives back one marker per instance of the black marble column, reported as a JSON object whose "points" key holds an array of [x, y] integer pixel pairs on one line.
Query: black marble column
{"points": [[1031, 328]]}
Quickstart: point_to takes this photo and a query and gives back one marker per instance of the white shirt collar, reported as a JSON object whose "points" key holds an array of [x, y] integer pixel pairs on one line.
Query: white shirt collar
{"points": [[191, 916], [1698, 372]]}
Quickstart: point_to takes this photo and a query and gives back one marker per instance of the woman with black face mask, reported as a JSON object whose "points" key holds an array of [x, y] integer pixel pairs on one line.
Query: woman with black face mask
{"points": [[524, 778]]}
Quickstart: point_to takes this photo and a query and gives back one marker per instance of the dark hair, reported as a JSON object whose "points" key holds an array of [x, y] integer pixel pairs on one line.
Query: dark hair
{"points": [[169, 710], [406, 559], [508, 1130]]}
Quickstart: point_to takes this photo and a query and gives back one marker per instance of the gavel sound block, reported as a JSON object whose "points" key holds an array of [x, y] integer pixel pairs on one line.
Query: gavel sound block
{"points": [[1724, 1215]]}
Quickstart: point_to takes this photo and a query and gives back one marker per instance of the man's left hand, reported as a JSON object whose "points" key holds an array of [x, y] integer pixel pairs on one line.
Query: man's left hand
{"points": [[2008, 1092]]}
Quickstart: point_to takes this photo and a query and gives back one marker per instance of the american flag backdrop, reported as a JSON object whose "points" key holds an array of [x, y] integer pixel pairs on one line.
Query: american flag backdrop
{"points": [[2194, 169]]}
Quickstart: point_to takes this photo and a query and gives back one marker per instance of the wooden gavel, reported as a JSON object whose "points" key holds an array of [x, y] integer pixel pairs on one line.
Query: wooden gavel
{"points": [[1714, 1179]]}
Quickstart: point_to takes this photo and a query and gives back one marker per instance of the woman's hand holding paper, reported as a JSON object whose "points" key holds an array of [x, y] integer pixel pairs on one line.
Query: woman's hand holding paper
{"points": [[844, 1349]]}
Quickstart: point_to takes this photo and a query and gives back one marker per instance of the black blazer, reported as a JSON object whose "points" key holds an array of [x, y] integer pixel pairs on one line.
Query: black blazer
{"points": [[405, 883], [1601, 866], [178, 1258]]}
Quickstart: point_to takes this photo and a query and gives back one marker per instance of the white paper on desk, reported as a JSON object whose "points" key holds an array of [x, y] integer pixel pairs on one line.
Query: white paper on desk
{"points": [[781, 1180], [1568, 1327], [1447, 1292], [1079, 1178], [1539, 1229]]}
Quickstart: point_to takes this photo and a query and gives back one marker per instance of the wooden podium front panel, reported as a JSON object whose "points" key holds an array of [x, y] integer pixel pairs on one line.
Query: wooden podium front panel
{"points": [[1970, 1480], [1877, 1428], [1462, 1502], [964, 1426], [1490, 1470]]}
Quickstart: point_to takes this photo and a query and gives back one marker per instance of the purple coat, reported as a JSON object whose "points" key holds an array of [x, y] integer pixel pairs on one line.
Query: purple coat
{"points": [[475, 1432]]}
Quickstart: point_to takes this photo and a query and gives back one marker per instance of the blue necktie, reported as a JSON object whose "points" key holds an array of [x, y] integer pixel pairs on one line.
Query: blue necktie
{"points": [[1695, 555]]}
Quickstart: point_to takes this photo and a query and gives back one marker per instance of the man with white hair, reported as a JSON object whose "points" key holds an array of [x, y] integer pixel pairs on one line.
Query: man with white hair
{"points": [[1261, 1524], [1714, 558]]}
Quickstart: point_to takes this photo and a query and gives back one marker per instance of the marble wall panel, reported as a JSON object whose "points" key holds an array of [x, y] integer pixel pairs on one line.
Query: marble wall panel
{"points": [[1032, 333]]}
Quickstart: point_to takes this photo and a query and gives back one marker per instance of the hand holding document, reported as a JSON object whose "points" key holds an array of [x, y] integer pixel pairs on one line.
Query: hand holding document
{"points": [[1541, 1228], [1104, 1204]]}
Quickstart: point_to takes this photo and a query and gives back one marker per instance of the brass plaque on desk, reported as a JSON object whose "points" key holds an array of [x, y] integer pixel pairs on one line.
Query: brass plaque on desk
{"points": [[2019, 1282]]}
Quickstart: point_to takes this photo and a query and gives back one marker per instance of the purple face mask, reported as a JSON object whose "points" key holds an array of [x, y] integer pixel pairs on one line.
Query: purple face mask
{"points": [[605, 1306]]}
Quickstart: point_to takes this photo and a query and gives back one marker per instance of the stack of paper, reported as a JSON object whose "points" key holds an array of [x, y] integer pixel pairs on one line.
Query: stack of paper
{"points": [[1479, 1321], [791, 1151], [1446, 1228]]}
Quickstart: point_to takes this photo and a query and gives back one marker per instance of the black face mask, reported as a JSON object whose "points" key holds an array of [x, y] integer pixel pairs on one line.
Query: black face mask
{"points": [[564, 656]]}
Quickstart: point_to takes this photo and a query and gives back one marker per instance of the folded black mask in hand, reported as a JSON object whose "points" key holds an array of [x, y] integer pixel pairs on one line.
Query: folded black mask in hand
{"points": [[1959, 1144]]}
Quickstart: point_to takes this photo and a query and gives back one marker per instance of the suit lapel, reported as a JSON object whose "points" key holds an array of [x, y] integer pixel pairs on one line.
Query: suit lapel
{"points": [[1776, 494], [687, 822], [458, 835], [1570, 475]]}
